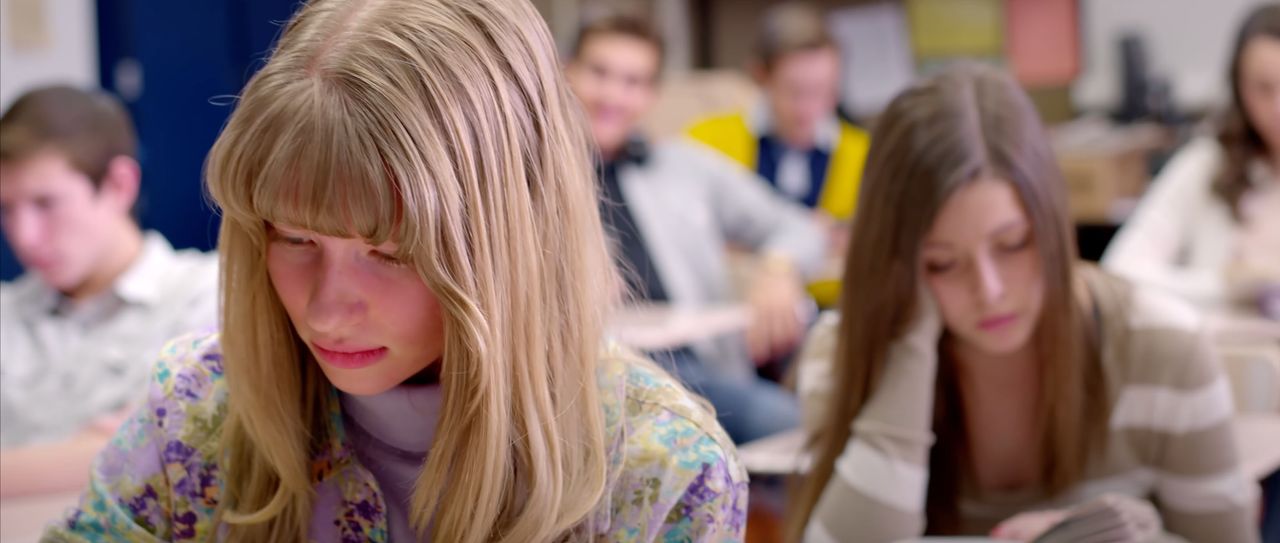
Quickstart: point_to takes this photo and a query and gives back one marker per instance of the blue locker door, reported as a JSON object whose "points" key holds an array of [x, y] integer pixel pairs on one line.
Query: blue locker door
{"points": [[168, 61], [179, 64]]}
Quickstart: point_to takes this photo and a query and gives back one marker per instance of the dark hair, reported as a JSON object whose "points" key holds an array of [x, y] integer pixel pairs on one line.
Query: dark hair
{"points": [[788, 28], [968, 123], [89, 127], [620, 25], [1239, 138]]}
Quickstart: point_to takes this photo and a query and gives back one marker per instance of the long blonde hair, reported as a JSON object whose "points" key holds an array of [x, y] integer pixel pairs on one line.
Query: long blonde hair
{"points": [[446, 127], [968, 123]]}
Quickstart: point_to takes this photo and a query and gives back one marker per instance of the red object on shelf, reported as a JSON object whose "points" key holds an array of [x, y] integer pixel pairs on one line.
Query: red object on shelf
{"points": [[1043, 41]]}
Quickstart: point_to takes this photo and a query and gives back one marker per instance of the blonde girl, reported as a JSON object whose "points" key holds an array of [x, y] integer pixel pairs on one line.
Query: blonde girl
{"points": [[415, 285]]}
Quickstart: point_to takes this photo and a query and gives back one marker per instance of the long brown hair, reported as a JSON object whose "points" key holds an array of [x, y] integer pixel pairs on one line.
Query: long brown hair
{"points": [[967, 123], [1240, 140], [88, 127]]}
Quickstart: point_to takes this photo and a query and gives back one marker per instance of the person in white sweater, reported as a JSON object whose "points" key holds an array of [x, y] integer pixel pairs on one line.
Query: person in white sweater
{"points": [[1209, 228]]}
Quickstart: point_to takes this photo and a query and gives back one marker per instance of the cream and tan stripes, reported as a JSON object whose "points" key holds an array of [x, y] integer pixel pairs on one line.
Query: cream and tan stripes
{"points": [[1170, 439]]}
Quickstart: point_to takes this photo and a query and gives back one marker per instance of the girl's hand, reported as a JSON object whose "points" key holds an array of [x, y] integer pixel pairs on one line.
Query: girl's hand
{"points": [[1028, 526], [776, 296], [926, 323], [1111, 517]]}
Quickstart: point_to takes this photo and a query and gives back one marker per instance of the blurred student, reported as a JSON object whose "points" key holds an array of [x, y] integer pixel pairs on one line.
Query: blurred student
{"points": [[99, 297], [793, 137], [673, 208], [1209, 228], [411, 347], [992, 383]]}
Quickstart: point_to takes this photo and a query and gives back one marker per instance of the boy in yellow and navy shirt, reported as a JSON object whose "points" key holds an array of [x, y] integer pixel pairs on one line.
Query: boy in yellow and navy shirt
{"points": [[793, 138]]}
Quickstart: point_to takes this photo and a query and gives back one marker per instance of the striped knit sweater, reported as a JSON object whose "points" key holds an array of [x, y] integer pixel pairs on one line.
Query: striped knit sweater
{"points": [[1170, 432]]}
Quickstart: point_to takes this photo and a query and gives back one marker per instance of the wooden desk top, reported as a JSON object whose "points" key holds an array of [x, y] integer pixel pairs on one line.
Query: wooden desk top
{"points": [[1258, 440], [659, 327]]}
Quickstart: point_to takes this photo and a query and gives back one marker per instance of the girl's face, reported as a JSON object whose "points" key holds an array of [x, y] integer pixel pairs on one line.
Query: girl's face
{"points": [[981, 263], [368, 318], [1260, 88]]}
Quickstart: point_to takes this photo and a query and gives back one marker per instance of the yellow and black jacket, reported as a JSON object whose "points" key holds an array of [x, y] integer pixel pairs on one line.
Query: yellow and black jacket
{"points": [[839, 169]]}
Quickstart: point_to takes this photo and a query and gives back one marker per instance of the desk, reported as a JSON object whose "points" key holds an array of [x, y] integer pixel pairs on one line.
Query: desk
{"points": [[778, 454], [1249, 347], [22, 520], [659, 327], [1257, 439], [1228, 327]]}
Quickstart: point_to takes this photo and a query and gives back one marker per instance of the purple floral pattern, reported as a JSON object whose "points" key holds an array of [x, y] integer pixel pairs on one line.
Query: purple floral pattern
{"points": [[678, 476]]}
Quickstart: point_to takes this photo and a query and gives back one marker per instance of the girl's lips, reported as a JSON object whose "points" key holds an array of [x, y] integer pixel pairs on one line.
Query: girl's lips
{"points": [[349, 359], [997, 322]]}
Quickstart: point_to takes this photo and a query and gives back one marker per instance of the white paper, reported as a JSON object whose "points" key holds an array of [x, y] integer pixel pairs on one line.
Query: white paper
{"points": [[876, 55]]}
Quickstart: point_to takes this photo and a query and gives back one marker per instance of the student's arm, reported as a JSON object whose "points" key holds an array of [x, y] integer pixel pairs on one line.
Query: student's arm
{"points": [[1147, 248], [1181, 422], [680, 479], [61, 466], [15, 430], [1120, 517], [28, 467], [788, 241], [1255, 268], [752, 215], [127, 498], [64, 465], [155, 481], [712, 509], [1201, 493], [878, 488]]}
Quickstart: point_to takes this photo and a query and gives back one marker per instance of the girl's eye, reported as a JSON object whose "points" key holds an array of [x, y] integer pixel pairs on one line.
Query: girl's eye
{"points": [[937, 268], [1016, 246], [387, 259], [292, 240]]}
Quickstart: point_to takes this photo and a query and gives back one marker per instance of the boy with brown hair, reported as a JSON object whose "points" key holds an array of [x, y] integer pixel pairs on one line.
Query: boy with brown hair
{"points": [[99, 297]]}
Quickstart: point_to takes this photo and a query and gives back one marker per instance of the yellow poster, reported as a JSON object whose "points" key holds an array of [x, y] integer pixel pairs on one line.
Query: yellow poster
{"points": [[956, 28]]}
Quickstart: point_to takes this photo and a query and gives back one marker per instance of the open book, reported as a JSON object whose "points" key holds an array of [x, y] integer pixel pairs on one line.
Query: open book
{"points": [[1106, 520]]}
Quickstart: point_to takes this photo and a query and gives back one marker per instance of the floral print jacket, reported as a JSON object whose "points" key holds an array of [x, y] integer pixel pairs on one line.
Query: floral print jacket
{"points": [[678, 475]]}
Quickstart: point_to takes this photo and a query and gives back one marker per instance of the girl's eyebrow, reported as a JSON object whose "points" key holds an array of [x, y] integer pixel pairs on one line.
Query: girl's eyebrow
{"points": [[285, 227], [1012, 224], [1009, 225]]}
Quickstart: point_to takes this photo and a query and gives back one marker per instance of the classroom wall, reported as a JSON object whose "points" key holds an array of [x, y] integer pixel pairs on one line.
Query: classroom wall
{"points": [[46, 41], [1188, 41], [671, 17]]}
